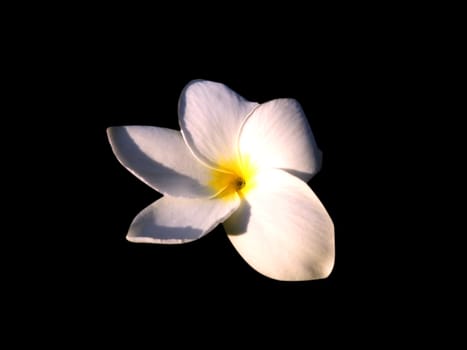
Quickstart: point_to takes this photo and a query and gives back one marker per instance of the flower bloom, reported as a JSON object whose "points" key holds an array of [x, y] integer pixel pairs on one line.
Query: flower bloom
{"points": [[238, 163]]}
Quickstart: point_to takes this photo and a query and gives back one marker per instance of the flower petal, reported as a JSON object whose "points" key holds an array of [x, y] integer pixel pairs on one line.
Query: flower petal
{"points": [[173, 220], [210, 116], [160, 158], [282, 230], [277, 135]]}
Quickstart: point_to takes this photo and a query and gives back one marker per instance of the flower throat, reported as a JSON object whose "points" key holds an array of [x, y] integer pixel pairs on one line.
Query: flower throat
{"points": [[232, 176]]}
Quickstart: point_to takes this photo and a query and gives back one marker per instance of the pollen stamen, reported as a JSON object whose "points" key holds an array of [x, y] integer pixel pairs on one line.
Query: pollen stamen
{"points": [[239, 183]]}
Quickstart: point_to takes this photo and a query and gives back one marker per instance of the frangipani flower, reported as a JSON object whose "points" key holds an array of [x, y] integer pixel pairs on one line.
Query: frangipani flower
{"points": [[239, 163]]}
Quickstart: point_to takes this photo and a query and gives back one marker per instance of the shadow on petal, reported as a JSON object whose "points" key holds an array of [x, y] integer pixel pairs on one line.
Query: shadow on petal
{"points": [[300, 174], [237, 223], [145, 229]]}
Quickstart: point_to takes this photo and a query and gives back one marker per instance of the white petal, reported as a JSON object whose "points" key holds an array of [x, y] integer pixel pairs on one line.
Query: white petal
{"points": [[173, 220], [160, 158], [282, 230], [277, 135], [210, 116]]}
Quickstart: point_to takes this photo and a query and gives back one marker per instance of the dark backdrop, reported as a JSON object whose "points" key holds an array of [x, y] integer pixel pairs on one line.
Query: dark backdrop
{"points": [[97, 74]]}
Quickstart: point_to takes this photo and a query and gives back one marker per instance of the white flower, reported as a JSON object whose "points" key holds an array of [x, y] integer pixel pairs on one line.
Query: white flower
{"points": [[239, 163]]}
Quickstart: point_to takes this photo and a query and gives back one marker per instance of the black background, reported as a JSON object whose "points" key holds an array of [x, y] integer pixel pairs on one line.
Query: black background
{"points": [[92, 74]]}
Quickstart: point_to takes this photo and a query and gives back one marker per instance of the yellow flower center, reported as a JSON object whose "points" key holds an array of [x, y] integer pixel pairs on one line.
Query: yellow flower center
{"points": [[233, 176]]}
